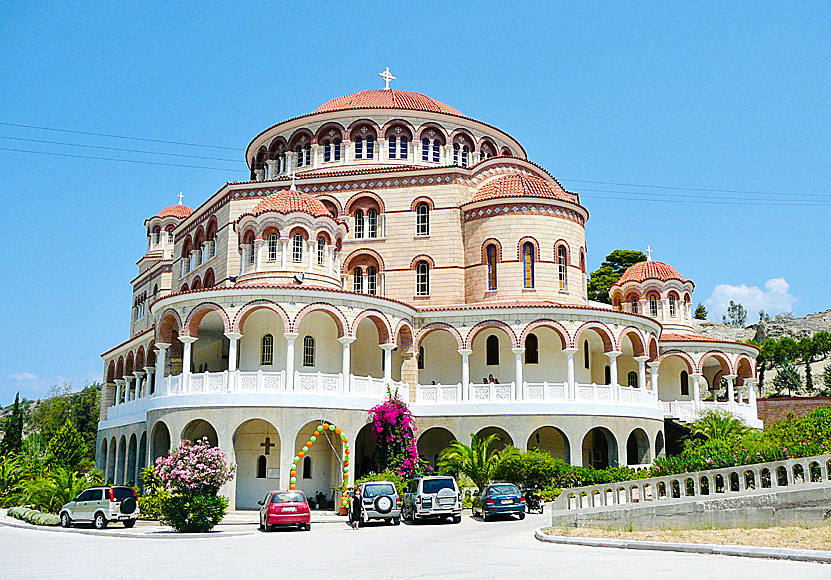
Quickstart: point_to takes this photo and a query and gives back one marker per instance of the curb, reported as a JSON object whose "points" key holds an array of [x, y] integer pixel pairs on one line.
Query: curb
{"points": [[717, 549], [119, 534]]}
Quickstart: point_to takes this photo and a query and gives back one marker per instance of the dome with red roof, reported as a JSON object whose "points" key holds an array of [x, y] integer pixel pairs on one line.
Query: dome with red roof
{"points": [[180, 211], [650, 270], [289, 201], [520, 185], [387, 99]]}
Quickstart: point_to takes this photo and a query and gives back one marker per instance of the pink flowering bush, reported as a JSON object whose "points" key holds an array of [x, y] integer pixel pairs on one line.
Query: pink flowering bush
{"points": [[396, 450]]}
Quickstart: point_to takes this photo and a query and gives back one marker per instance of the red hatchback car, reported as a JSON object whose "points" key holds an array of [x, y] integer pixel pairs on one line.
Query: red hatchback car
{"points": [[285, 508]]}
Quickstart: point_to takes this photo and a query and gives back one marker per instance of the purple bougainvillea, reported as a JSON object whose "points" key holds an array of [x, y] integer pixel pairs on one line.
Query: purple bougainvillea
{"points": [[394, 431]]}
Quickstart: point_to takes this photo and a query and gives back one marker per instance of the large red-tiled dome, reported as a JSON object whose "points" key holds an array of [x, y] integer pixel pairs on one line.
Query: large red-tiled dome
{"points": [[519, 185], [290, 201], [180, 211], [650, 270], [387, 99]]}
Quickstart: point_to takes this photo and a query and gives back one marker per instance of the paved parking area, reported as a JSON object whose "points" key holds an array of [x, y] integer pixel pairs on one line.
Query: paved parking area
{"points": [[472, 549]]}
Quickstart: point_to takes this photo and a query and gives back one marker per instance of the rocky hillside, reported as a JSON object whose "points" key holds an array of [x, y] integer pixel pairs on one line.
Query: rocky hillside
{"points": [[776, 328]]}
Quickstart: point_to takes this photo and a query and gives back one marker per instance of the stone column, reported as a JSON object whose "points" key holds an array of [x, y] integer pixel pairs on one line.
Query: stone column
{"points": [[387, 348], [290, 338], [519, 392], [381, 149], [128, 388], [346, 369], [653, 370], [139, 383], [272, 172], [465, 352], [243, 260], [312, 255], [751, 394], [119, 388], [289, 161], [696, 377], [188, 342], [285, 252], [346, 151], [409, 373], [731, 393], [642, 371], [612, 356], [259, 249], [161, 348], [316, 156], [149, 384], [233, 337], [572, 389], [330, 250]]}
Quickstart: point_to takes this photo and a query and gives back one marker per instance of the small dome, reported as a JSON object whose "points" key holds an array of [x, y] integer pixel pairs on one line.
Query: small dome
{"points": [[290, 201], [178, 210], [519, 185], [650, 270], [387, 99]]}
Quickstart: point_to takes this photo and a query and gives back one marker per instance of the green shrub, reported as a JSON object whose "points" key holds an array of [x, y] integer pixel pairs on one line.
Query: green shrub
{"points": [[35, 517], [197, 513], [388, 475], [150, 505], [550, 494]]}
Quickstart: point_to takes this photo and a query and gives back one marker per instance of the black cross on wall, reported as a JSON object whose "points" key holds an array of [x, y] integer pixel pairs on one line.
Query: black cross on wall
{"points": [[267, 444]]}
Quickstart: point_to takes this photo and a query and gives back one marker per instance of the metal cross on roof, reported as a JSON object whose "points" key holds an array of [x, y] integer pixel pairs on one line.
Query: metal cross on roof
{"points": [[181, 195], [387, 76], [649, 253]]}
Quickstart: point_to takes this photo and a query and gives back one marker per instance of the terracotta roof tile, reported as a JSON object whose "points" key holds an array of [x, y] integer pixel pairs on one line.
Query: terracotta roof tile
{"points": [[650, 270], [669, 337], [178, 210], [519, 185], [387, 99], [290, 201]]}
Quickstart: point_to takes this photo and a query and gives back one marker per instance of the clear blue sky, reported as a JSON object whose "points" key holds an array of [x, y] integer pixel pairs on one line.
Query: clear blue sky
{"points": [[724, 96]]}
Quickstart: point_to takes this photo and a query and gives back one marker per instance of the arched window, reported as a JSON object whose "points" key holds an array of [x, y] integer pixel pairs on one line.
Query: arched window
{"points": [[307, 467], [532, 353], [672, 308], [586, 354], [336, 150], [321, 249], [402, 148], [491, 255], [359, 148], [685, 383], [422, 279], [653, 306], [456, 154], [420, 358], [465, 152], [297, 248], [422, 219], [370, 147], [632, 379], [371, 280], [261, 465], [372, 223], [492, 350], [436, 150], [561, 266], [358, 280], [267, 350], [308, 351], [392, 146], [327, 151], [607, 373], [528, 264], [252, 248], [359, 224], [425, 150], [273, 244], [634, 304]]}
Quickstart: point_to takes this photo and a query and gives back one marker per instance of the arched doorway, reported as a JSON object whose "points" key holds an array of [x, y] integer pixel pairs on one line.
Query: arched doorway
{"points": [[320, 469], [599, 449], [210, 351], [637, 448], [502, 441], [132, 456], [159, 441], [365, 445], [552, 441], [102, 457], [121, 461], [257, 449], [199, 429], [659, 444], [142, 457], [432, 442], [111, 460]]}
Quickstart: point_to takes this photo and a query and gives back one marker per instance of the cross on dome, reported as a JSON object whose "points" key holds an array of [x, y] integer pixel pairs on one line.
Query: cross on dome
{"points": [[648, 253], [387, 76], [180, 196]]}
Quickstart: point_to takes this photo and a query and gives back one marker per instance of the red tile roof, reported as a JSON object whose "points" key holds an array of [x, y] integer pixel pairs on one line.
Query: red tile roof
{"points": [[519, 185], [387, 99], [650, 270], [668, 337], [290, 201], [178, 210]]}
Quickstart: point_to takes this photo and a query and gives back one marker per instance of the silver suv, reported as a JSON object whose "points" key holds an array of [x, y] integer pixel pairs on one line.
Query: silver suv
{"points": [[380, 502], [100, 506], [436, 496]]}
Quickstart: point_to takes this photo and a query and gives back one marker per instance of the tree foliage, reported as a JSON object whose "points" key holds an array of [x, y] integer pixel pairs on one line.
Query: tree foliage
{"points": [[718, 424], [736, 314], [477, 461], [13, 429], [392, 424], [610, 271], [787, 379], [67, 448], [700, 312]]}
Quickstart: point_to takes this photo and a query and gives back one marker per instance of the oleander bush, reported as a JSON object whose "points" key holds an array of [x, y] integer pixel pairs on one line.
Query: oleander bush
{"points": [[193, 513]]}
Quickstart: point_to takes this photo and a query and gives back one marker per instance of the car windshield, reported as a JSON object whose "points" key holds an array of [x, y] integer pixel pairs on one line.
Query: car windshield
{"points": [[288, 497], [378, 489], [120, 493], [506, 488], [434, 485]]}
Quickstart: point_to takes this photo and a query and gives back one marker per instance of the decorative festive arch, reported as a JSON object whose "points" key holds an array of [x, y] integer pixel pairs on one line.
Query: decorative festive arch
{"points": [[324, 426]]}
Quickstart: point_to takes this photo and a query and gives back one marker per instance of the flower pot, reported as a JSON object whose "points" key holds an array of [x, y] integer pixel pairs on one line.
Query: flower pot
{"points": [[343, 511]]}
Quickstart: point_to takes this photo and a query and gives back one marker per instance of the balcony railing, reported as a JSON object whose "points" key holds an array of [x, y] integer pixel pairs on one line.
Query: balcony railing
{"points": [[687, 412]]}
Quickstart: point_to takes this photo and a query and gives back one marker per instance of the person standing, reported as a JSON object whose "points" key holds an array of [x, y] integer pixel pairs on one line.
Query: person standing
{"points": [[355, 509]]}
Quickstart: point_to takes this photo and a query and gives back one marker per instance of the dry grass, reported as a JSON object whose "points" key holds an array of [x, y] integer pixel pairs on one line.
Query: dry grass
{"points": [[803, 538]]}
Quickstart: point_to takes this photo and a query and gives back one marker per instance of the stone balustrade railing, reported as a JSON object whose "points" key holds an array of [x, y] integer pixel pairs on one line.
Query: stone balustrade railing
{"points": [[687, 411], [689, 487]]}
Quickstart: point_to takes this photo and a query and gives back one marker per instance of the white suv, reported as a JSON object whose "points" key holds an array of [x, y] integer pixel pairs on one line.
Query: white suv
{"points": [[100, 506], [380, 502], [436, 496]]}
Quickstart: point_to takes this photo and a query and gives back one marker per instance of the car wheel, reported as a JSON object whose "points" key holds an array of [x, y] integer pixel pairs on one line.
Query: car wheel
{"points": [[260, 527], [396, 521], [65, 521], [100, 522], [129, 523], [521, 515], [484, 516], [457, 519], [308, 527]]}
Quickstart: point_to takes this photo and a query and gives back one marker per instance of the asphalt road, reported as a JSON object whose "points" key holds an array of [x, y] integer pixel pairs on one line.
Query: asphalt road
{"points": [[472, 549]]}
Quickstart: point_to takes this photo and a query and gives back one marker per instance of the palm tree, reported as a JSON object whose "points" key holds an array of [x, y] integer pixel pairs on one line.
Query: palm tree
{"points": [[52, 491], [478, 461], [718, 424]]}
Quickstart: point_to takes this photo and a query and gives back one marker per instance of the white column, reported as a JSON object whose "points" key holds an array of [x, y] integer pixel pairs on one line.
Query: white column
{"points": [[696, 377], [387, 348], [315, 156], [259, 248], [161, 354], [653, 371], [330, 250], [465, 372], [243, 259], [572, 390], [188, 342], [642, 370], [119, 388], [381, 149], [312, 254], [346, 369], [271, 172], [612, 356], [731, 392], [149, 384], [139, 383], [233, 337], [520, 392], [284, 255], [127, 387], [290, 338], [751, 394], [346, 151], [289, 161]]}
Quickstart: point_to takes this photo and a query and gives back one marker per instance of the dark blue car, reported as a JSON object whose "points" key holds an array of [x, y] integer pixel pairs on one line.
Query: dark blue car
{"points": [[499, 498]]}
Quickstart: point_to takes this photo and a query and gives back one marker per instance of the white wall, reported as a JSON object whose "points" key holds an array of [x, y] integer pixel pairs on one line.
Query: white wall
{"points": [[259, 323], [504, 372], [328, 351], [248, 448], [442, 362], [366, 354]]}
